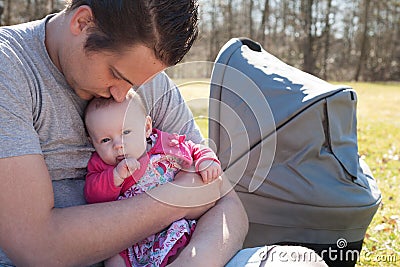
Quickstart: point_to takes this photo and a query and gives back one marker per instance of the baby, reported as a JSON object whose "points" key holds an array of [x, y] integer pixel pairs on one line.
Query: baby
{"points": [[131, 157]]}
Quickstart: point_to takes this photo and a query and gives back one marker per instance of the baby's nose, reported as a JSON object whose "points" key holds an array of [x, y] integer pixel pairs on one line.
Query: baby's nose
{"points": [[118, 144]]}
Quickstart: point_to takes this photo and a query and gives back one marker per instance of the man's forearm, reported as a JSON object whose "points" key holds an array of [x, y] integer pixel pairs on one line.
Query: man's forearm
{"points": [[33, 233], [85, 235]]}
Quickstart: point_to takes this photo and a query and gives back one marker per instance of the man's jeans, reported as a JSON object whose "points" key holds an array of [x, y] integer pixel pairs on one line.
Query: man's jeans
{"points": [[276, 256]]}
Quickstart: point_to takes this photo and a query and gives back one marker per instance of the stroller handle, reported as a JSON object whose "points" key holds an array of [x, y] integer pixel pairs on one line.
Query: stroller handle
{"points": [[251, 44]]}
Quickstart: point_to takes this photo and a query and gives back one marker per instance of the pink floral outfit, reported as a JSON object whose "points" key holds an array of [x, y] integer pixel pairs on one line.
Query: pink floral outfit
{"points": [[158, 166]]}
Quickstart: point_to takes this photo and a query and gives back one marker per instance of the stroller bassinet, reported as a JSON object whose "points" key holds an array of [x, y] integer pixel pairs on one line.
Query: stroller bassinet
{"points": [[288, 141]]}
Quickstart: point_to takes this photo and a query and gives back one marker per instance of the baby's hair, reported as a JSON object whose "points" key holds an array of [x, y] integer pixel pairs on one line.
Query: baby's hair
{"points": [[135, 99], [98, 103]]}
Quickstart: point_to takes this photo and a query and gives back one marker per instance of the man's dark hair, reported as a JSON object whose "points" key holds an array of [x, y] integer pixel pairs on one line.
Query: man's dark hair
{"points": [[169, 27]]}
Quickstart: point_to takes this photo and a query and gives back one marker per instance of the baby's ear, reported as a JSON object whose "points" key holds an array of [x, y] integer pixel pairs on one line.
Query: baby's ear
{"points": [[149, 126], [90, 139]]}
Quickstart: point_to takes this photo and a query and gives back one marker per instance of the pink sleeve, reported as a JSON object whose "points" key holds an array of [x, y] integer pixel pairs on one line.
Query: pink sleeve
{"points": [[201, 153], [99, 185]]}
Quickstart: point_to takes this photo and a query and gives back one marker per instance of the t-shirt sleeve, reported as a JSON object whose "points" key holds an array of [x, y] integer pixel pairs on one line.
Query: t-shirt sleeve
{"points": [[168, 109], [17, 133]]}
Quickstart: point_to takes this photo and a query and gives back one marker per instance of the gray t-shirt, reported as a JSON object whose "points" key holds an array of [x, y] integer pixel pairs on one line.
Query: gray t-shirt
{"points": [[41, 114]]}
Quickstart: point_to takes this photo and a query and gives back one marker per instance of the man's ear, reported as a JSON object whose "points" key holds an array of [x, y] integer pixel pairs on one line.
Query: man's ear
{"points": [[148, 126], [81, 20]]}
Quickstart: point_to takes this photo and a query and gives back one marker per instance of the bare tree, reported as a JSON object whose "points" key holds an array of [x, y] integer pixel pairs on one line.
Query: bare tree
{"points": [[213, 38], [341, 40], [364, 39], [1, 10], [230, 22], [51, 6], [308, 42], [264, 18], [327, 34], [251, 30], [8, 14]]}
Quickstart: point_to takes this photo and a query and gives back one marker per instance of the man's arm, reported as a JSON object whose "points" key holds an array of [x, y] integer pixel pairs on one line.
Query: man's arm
{"points": [[34, 233], [219, 233]]}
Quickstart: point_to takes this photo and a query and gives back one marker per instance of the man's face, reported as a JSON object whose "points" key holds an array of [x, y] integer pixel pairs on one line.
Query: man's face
{"points": [[100, 74]]}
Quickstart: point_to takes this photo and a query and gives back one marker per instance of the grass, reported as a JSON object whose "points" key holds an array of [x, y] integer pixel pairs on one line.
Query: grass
{"points": [[379, 145], [378, 115], [196, 95]]}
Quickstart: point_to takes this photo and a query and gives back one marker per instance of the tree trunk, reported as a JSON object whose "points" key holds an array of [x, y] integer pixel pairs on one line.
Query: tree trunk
{"points": [[7, 20], [213, 33], [251, 31], [285, 38], [308, 61], [327, 33], [230, 19], [264, 18], [364, 40], [1, 12], [51, 6]]}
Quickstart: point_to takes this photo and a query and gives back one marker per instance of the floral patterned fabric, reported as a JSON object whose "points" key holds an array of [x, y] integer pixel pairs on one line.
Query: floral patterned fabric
{"points": [[157, 249]]}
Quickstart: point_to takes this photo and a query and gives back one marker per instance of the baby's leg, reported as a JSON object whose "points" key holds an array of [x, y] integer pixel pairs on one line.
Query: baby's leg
{"points": [[115, 261]]}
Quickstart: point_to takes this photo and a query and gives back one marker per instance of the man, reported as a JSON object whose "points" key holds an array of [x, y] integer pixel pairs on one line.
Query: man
{"points": [[50, 68]]}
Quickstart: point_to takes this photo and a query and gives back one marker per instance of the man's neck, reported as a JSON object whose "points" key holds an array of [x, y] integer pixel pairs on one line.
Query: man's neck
{"points": [[54, 36]]}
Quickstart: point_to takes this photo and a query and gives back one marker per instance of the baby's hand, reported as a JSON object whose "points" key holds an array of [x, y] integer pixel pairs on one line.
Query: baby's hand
{"points": [[209, 170], [124, 169]]}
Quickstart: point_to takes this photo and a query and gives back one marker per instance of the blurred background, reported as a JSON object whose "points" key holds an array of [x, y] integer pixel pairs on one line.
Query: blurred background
{"points": [[357, 40]]}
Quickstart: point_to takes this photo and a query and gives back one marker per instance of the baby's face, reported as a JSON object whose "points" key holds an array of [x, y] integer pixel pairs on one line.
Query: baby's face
{"points": [[117, 134]]}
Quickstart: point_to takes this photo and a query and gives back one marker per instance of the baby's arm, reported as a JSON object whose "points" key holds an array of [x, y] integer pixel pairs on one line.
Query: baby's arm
{"points": [[100, 185], [206, 162]]}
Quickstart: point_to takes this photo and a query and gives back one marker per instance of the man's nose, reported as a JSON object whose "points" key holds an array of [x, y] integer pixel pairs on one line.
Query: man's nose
{"points": [[119, 91]]}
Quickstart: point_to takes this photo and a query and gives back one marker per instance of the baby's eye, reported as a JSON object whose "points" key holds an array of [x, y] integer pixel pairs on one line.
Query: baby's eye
{"points": [[105, 140], [126, 132]]}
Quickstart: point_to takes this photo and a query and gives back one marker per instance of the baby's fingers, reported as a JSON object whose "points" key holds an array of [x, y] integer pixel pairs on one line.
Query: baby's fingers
{"points": [[205, 176], [211, 175], [132, 164], [214, 173]]}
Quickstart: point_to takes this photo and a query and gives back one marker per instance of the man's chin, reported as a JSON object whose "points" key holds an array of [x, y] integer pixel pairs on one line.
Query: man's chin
{"points": [[87, 98], [83, 95]]}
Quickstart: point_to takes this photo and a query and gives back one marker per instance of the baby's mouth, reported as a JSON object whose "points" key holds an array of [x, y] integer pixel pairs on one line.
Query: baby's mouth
{"points": [[120, 158]]}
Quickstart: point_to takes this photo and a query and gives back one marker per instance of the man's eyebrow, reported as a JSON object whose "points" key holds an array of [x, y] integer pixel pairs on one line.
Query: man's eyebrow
{"points": [[122, 76]]}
